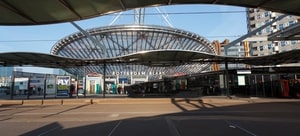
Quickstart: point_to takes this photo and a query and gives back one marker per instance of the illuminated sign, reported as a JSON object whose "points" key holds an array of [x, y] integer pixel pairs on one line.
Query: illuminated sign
{"points": [[243, 72], [241, 81], [63, 85], [21, 83], [63, 80]]}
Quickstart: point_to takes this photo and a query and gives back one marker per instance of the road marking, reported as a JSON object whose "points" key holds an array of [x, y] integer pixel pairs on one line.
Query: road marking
{"points": [[114, 129], [172, 128], [114, 115], [236, 126], [50, 130], [232, 126]]}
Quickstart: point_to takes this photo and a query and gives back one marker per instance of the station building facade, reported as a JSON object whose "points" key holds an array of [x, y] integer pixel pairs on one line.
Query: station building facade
{"points": [[117, 41], [5, 78], [122, 40]]}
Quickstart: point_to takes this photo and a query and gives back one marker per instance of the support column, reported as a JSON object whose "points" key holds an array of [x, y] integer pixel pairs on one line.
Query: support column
{"points": [[255, 86], [84, 88], [271, 81], [226, 80], [45, 86], [263, 85], [104, 76], [12, 89], [77, 85], [30, 90]]}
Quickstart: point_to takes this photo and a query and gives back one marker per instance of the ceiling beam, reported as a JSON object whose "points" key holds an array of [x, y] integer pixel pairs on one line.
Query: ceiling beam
{"points": [[122, 4], [263, 3], [16, 11], [69, 7]]}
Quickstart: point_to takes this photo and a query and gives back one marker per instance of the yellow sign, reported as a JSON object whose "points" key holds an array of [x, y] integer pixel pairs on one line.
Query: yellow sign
{"points": [[62, 87]]}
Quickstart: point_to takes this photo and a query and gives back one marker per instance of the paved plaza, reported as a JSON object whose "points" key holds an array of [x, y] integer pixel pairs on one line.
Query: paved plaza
{"points": [[153, 117]]}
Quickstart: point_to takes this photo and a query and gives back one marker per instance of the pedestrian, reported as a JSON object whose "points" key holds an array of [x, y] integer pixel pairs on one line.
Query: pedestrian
{"points": [[39, 90]]}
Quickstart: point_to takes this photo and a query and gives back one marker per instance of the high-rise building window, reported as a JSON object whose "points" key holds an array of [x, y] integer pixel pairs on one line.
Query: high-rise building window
{"points": [[261, 17], [267, 20], [261, 48], [257, 25], [254, 48], [268, 30], [258, 16], [270, 46], [259, 33], [292, 22], [267, 13], [282, 43], [280, 26]]}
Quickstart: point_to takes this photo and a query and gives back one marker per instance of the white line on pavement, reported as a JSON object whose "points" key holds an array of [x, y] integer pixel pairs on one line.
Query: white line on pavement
{"points": [[114, 129], [48, 131], [243, 129], [172, 128]]}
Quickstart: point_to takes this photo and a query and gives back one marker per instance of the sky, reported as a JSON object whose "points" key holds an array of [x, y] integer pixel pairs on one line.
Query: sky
{"points": [[214, 22]]}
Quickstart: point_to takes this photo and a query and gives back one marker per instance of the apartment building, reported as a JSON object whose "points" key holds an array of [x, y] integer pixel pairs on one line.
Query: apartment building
{"points": [[257, 18]]}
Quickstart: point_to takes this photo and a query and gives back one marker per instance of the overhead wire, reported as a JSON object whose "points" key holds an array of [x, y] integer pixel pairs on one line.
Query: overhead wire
{"points": [[198, 12]]}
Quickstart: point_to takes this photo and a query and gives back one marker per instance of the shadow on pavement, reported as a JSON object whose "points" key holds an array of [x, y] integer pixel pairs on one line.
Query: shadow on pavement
{"points": [[268, 118]]}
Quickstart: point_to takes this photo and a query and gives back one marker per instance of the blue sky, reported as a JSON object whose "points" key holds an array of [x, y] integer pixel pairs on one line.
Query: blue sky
{"points": [[40, 38]]}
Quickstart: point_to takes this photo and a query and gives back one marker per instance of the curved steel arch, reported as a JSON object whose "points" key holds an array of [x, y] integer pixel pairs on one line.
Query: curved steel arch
{"points": [[124, 40]]}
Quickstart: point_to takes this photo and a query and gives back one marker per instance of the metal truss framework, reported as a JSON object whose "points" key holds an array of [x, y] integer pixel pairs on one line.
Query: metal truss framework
{"points": [[128, 39]]}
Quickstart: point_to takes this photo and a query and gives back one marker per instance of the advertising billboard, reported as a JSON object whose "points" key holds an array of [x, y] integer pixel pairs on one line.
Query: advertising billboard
{"points": [[63, 85], [21, 84]]}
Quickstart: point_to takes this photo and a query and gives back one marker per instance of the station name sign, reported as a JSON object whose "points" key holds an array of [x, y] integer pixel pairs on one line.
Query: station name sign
{"points": [[138, 73], [245, 72]]}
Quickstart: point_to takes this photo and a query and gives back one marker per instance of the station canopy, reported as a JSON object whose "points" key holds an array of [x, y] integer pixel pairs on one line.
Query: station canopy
{"points": [[134, 49], [36, 12], [147, 58], [188, 52]]}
